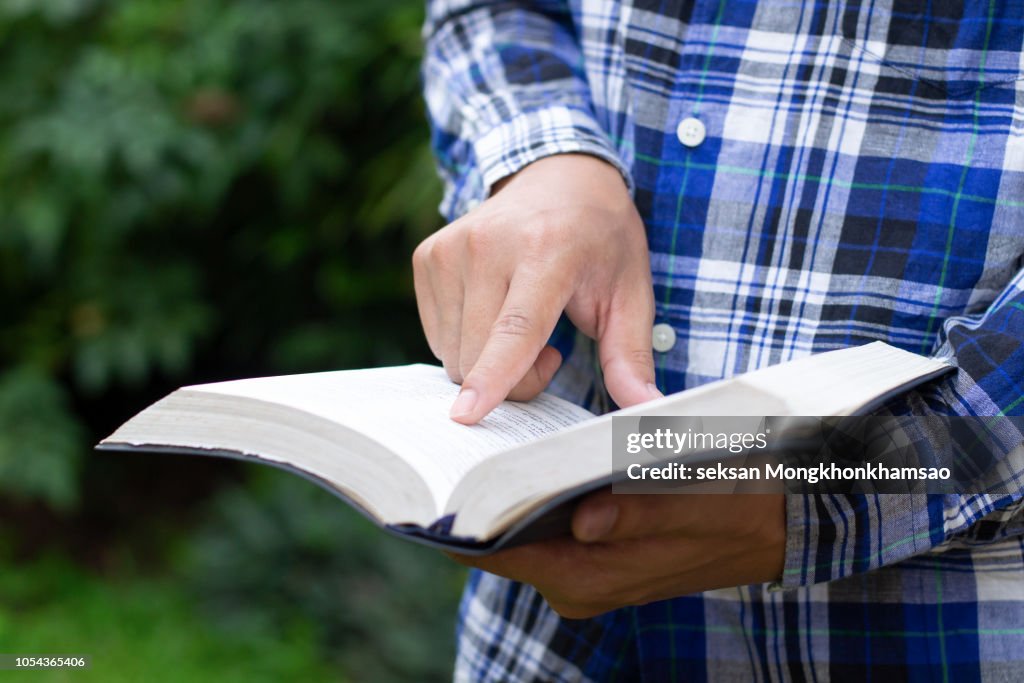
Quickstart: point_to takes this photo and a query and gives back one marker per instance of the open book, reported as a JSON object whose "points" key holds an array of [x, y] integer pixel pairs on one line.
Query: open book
{"points": [[381, 438]]}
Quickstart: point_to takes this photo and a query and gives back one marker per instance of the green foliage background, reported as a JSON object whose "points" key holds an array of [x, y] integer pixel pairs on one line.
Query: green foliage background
{"points": [[193, 190]]}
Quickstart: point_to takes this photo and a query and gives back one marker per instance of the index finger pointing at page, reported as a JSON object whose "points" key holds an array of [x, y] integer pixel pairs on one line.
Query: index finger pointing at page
{"points": [[519, 333]]}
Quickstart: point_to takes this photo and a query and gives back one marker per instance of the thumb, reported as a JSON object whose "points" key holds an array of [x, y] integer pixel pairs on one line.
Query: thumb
{"points": [[624, 349], [606, 516]]}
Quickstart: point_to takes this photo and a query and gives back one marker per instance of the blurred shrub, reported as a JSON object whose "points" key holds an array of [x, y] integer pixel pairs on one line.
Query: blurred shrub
{"points": [[283, 546], [202, 189], [36, 421], [193, 189]]}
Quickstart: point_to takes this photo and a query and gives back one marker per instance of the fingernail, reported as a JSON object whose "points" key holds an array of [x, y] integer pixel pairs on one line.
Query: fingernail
{"points": [[596, 523], [464, 404], [654, 391]]}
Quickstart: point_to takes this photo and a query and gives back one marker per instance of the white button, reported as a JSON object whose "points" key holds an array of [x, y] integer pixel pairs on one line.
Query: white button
{"points": [[472, 204], [663, 337], [691, 132]]}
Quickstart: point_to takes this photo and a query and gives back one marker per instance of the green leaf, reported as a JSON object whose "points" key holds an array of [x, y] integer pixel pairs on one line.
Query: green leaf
{"points": [[40, 441]]}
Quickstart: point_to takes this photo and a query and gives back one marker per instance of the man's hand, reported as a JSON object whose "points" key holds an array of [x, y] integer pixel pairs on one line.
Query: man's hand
{"points": [[635, 549], [560, 235]]}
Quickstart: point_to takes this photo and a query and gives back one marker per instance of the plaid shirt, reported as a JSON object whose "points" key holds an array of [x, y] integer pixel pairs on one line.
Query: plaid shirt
{"points": [[859, 176]]}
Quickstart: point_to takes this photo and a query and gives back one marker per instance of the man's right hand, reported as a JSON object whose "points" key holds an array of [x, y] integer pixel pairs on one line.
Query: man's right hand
{"points": [[562, 234]]}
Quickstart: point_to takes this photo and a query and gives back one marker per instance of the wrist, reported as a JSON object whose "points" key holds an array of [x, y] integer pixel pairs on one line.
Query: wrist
{"points": [[574, 166], [763, 547]]}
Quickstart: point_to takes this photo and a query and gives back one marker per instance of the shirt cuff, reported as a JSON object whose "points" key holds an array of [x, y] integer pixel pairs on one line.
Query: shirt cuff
{"points": [[829, 537], [532, 135]]}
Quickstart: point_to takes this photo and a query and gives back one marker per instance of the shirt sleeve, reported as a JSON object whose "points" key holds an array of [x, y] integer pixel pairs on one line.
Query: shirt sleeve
{"points": [[504, 86], [832, 536]]}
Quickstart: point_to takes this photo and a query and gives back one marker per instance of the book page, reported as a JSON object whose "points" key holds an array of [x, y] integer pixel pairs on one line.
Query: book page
{"points": [[834, 383], [406, 410]]}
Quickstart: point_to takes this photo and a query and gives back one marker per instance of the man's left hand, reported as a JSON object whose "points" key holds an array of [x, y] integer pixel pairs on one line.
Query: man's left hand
{"points": [[632, 549]]}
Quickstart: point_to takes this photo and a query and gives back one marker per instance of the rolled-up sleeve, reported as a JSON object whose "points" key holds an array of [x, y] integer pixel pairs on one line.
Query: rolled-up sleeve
{"points": [[833, 536], [504, 86]]}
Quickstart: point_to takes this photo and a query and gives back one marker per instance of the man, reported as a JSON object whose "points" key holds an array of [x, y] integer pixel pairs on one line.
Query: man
{"points": [[703, 188]]}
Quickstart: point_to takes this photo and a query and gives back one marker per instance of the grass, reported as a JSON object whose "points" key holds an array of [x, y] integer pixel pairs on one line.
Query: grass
{"points": [[138, 628]]}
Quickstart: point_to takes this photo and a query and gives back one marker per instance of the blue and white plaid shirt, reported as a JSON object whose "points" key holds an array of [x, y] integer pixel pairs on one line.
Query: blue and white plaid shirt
{"points": [[812, 176]]}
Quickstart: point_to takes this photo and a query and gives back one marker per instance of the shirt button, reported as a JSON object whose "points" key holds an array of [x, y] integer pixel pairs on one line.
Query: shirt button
{"points": [[663, 337], [472, 204], [691, 132]]}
